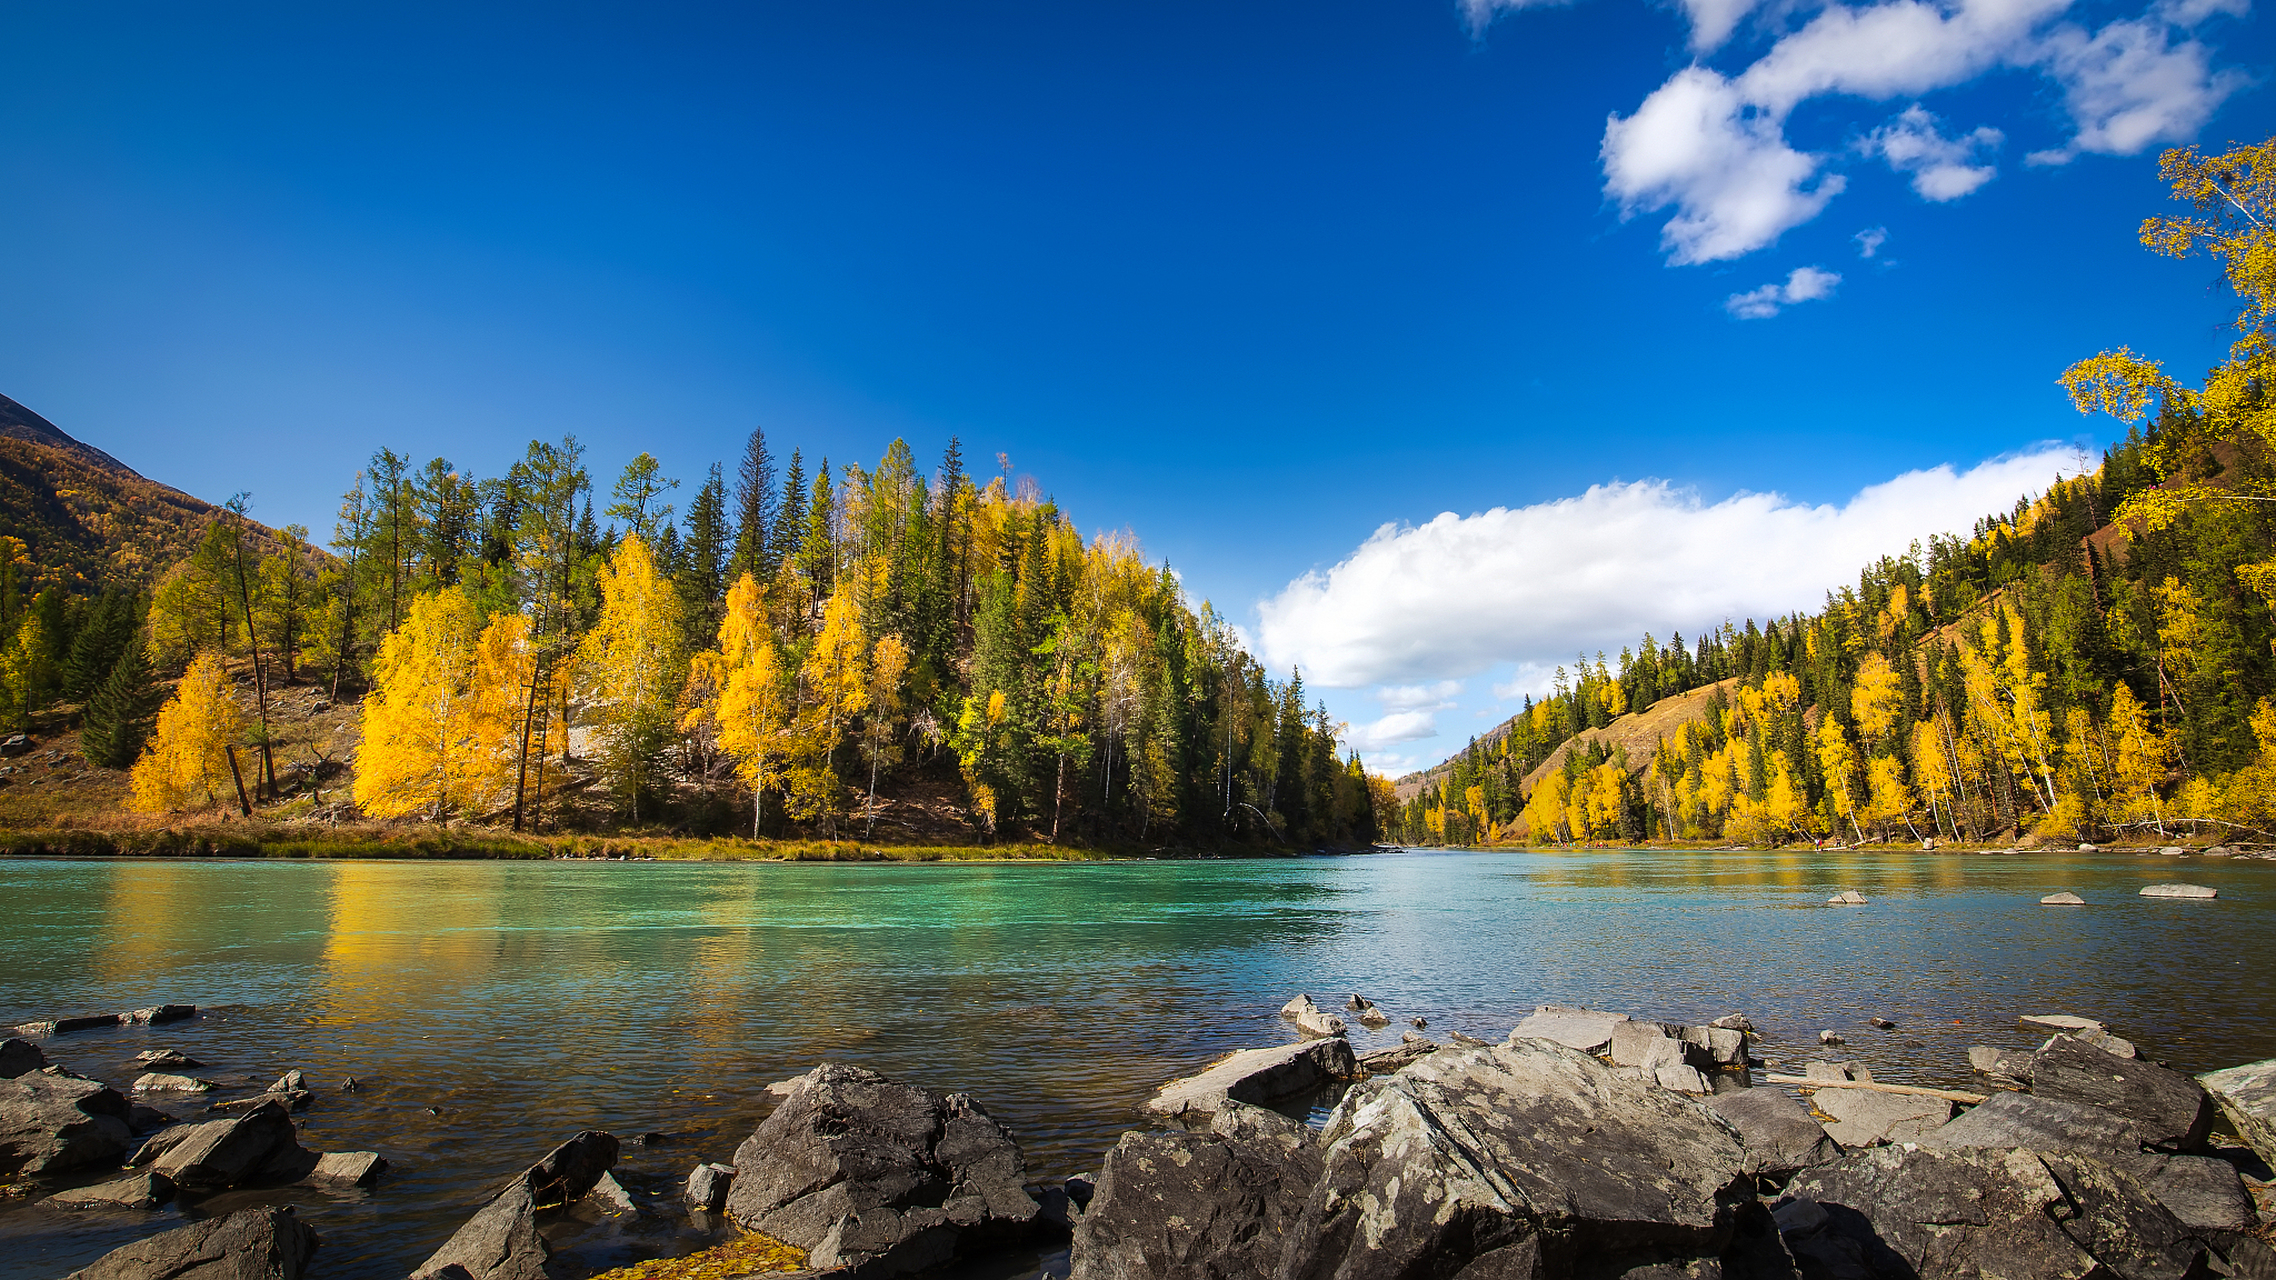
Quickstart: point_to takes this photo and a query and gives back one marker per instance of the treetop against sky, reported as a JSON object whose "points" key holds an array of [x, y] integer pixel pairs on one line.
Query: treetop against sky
{"points": [[1714, 300]]}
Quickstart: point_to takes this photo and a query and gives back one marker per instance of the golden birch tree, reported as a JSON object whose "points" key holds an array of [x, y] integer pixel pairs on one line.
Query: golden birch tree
{"points": [[187, 762], [631, 667]]}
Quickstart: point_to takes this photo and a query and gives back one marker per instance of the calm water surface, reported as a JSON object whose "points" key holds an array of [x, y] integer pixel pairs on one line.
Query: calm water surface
{"points": [[525, 1001]]}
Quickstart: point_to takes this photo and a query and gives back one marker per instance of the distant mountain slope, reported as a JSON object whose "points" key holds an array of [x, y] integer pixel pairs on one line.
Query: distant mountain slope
{"points": [[87, 519], [1639, 731]]}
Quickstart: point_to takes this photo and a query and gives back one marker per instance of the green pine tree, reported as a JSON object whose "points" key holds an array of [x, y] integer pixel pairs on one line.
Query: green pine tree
{"points": [[117, 722]]}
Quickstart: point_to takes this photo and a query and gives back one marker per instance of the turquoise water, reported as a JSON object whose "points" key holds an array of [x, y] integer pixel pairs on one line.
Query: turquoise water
{"points": [[521, 1002]]}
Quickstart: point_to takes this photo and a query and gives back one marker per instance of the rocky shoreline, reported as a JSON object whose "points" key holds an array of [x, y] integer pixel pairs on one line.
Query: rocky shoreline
{"points": [[1584, 1144]]}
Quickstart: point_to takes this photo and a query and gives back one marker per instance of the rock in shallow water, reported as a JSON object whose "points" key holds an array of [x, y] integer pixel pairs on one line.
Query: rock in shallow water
{"points": [[141, 1191], [18, 1056], [870, 1174], [707, 1186], [1258, 1076], [501, 1241], [54, 1123], [1588, 1030], [225, 1153], [250, 1244]]}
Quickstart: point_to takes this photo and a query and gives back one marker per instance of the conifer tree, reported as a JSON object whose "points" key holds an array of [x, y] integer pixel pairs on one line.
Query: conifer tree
{"points": [[755, 503], [117, 719]]}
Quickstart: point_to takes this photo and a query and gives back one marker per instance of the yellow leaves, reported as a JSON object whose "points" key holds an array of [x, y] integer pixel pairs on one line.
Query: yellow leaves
{"points": [[751, 709], [1545, 810], [1932, 766], [1875, 701], [2119, 383], [995, 713], [187, 761], [2180, 629], [1837, 760], [629, 661], [748, 1255], [439, 724], [1783, 689], [1615, 699], [1887, 799]]}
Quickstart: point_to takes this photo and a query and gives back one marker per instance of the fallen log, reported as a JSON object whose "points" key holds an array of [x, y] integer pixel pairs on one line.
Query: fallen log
{"points": [[1916, 1090]]}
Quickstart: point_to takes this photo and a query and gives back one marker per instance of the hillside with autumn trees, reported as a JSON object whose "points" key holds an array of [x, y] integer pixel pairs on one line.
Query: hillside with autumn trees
{"points": [[2094, 663], [782, 653]]}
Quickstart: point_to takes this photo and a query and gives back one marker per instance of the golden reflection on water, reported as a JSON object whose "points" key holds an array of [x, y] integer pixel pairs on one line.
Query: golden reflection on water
{"points": [[394, 934], [141, 895]]}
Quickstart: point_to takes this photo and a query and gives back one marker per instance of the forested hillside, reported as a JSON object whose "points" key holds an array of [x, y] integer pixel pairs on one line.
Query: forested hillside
{"points": [[767, 654], [2095, 662]]}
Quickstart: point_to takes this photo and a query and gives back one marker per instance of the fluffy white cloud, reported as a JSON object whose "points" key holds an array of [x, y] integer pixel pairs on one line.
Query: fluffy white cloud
{"points": [[1418, 697], [1533, 585], [1941, 167], [1713, 148], [1870, 240], [1391, 730], [2128, 86], [1735, 183], [1804, 284]]}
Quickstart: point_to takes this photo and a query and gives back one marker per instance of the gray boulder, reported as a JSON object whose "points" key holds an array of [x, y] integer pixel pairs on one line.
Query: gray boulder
{"points": [[226, 1153], [1258, 1076], [501, 1241], [250, 1244], [1197, 1206], [1311, 1019], [160, 1082], [1725, 1046], [880, 1177], [157, 1014], [1515, 1160], [18, 1056], [2202, 1192], [2171, 1109], [2115, 1046], [161, 1059], [707, 1186], [1909, 1211], [2247, 1096], [1588, 1030], [1779, 1136], [54, 1123], [1864, 1117], [1381, 1062], [2002, 1065], [2180, 891], [139, 1191]]}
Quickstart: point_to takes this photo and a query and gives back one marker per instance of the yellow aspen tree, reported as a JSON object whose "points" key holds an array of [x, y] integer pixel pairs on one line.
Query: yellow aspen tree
{"points": [[631, 666], [1875, 701], [2140, 756], [1887, 799], [1784, 806], [1837, 760], [888, 663], [833, 689], [1932, 768], [187, 762], [418, 755], [1545, 810], [503, 668], [752, 711]]}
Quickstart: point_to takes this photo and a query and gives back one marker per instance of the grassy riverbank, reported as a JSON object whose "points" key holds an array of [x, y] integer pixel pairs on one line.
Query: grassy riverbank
{"points": [[259, 839]]}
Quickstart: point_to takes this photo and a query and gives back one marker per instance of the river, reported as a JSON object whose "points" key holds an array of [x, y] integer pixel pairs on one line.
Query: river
{"points": [[492, 1009]]}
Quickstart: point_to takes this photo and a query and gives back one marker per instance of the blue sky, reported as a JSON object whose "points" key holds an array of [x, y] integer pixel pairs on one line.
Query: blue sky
{"points": [[1251, 280]]}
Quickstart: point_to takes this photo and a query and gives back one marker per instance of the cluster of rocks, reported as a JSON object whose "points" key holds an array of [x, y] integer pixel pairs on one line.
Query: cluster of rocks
{"points": [[56, 1122], [1567, 1151]]}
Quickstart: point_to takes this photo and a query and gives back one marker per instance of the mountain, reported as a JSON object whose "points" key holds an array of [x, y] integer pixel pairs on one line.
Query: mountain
{"points": [[87, 520]]}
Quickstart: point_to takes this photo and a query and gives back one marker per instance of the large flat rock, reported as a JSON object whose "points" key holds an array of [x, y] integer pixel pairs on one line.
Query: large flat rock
{"points": [[1865, 1117], [1910, 1211], [1260, 1077], [2171, 1110], [1513, 1160], [1588, 1030], [2202, 1192]]}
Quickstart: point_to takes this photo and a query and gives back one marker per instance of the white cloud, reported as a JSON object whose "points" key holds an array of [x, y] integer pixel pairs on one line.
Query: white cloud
{"points": [[1870, 240], [1480, 14], [1695, 143], [1418, 697], [1714, 148], [1453, 597], [1941, 167], [2127, 86], [1397, 727], [1804, 284]]}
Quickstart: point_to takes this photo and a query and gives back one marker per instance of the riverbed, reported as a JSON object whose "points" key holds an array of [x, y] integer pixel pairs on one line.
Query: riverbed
{"points": [[491, 1009]]}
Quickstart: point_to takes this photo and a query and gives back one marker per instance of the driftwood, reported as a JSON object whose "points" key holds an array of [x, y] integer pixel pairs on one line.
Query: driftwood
{"points": [[1916, 1090]]}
